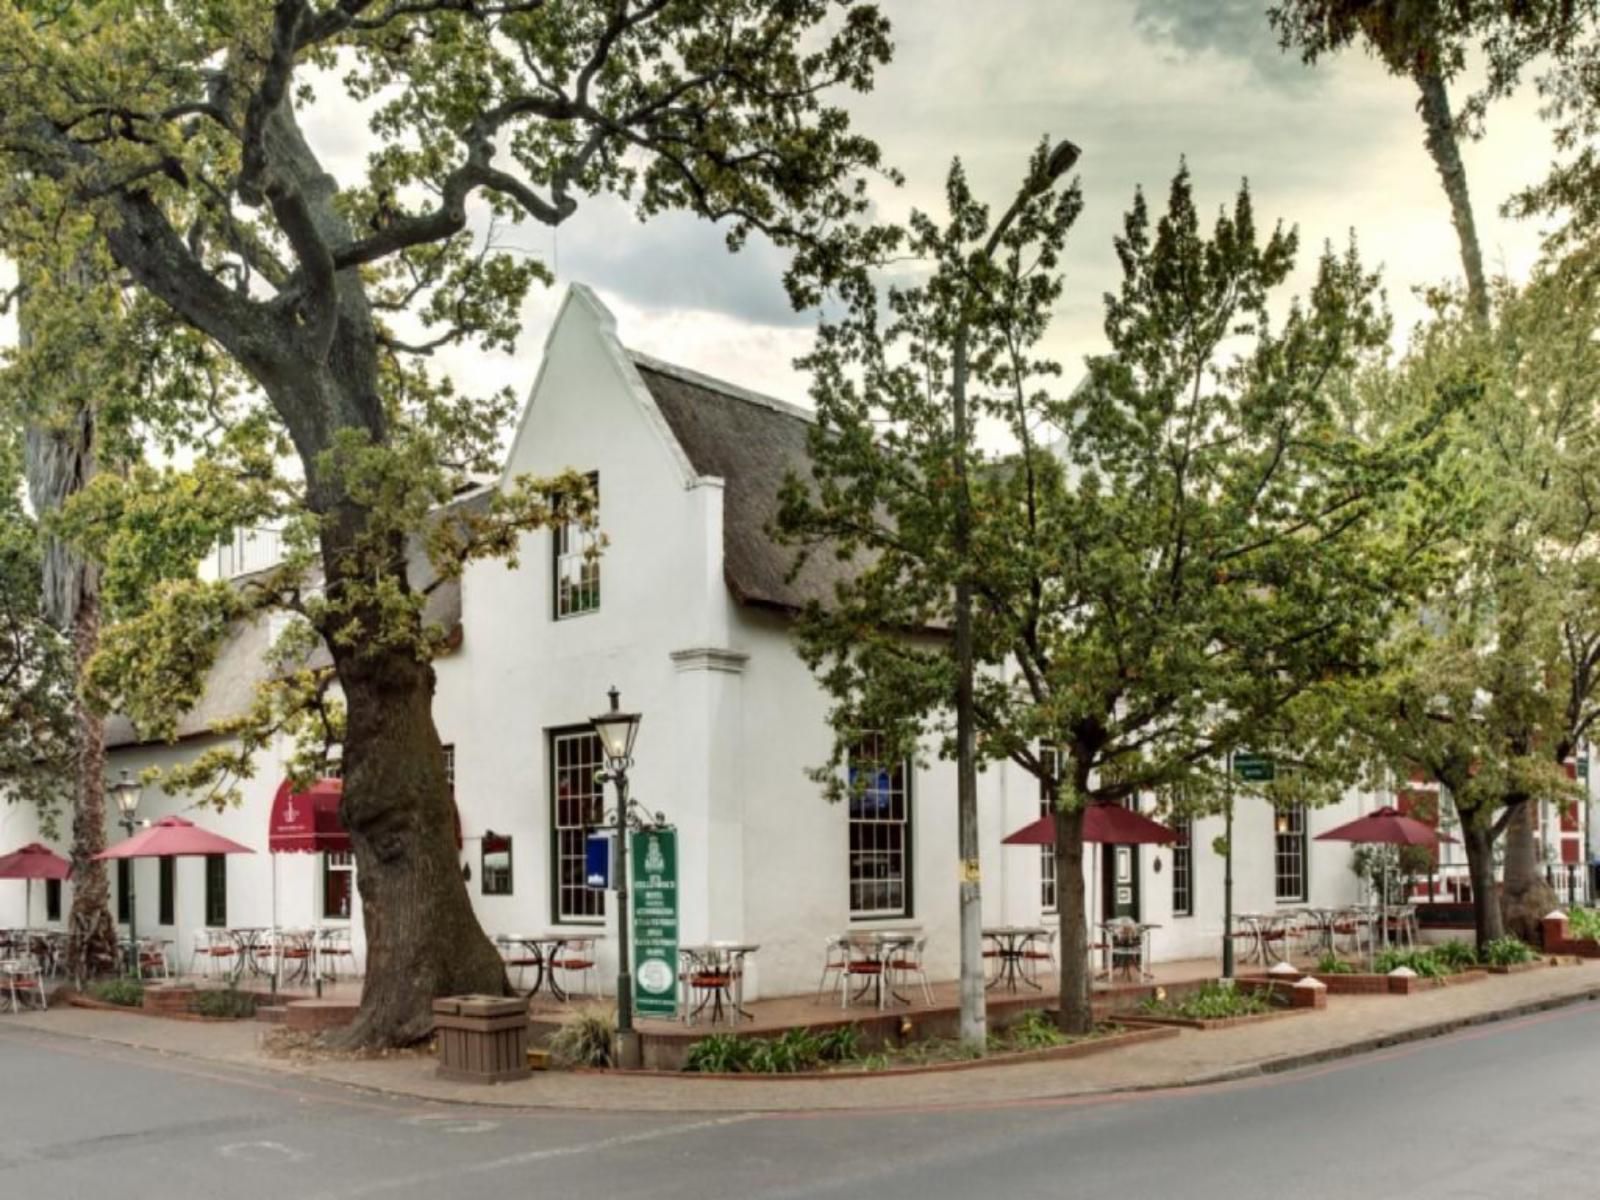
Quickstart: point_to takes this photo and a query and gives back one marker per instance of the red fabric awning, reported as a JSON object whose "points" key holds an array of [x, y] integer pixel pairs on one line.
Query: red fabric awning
{"points": [[1105, 824], [34, 861], [173, 837], [308, 821]]}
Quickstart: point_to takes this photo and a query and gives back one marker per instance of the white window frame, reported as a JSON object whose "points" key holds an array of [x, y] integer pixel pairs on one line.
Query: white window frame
{"points": [[575, 567], [338, 862], [1049, 895], [574, 903], [1289, 856], [879, 840], [1183, 866]]}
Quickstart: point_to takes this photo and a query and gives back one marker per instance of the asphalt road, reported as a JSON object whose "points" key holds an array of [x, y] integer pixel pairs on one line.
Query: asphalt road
{"points": [[1505, 1110]]}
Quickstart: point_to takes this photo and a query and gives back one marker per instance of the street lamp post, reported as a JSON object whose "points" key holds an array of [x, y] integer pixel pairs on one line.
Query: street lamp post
{"points": [[974, 1018], [126, 792], [617, 731]]}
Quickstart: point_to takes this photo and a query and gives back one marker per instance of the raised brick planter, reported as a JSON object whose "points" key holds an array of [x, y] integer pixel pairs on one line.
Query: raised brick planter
{"points": [[318, 1016], [1556, 940], [482, 1039], [164, 999]]}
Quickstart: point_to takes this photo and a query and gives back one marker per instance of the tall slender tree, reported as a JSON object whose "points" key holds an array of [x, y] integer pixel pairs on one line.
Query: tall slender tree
{"points": [[1176, 558]]}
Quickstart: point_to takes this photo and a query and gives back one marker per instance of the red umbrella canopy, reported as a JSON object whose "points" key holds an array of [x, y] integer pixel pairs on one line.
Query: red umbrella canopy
{"points": [[1108, 824], [173, 837], [34, 861], [1388, 827]]}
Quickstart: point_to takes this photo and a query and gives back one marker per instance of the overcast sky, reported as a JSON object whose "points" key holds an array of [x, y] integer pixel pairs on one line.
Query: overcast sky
{"points": [[1137, 84]]}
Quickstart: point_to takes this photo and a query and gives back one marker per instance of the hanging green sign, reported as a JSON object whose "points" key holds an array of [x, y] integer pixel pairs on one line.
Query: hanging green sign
{"points": [[653, 856], [1254, 768]]}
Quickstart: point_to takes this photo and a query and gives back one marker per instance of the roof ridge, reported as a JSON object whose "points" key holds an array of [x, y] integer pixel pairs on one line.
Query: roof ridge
{"points": [[711, 383]]}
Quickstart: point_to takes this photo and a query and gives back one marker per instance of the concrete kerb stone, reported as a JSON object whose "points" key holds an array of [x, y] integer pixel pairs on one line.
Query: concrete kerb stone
{"points": [[330, 1073]]}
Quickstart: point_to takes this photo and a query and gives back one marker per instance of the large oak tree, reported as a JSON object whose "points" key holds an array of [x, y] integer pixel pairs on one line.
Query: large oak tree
{"points": [[172, 143]]}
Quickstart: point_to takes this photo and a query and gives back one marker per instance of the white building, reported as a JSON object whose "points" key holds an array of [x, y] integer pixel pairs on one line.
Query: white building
{"points": [[688, 613]]}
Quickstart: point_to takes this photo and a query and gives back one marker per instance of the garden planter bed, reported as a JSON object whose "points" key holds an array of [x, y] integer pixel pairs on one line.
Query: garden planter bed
{"points": [[1517, 968], [1392, 985], [1132, 1035], [79, 1000], [1216, 1022]]}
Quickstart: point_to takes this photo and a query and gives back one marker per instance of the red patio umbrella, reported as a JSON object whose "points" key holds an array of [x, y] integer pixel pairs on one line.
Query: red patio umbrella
{"points": [[1386, 826], [173, 837], [33, 861], [1104, 824]]}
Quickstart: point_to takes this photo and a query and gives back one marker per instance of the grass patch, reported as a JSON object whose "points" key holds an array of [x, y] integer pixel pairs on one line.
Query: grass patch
{"points": [[225, 1002], [586, 1039], [1332, 964], [1584, 923], [1507, 951]]}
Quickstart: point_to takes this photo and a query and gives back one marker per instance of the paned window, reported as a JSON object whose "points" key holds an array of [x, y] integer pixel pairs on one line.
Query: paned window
{"points": [[1289, 856], [338, 884], [1183, 867], [880, 832], [577, 565], [1051, 757], [167, 914], [577, 806], [496, 874], [216, 890]]}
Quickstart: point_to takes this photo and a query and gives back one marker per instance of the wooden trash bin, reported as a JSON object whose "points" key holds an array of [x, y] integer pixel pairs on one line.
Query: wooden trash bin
{"points": [[482, 1039]]}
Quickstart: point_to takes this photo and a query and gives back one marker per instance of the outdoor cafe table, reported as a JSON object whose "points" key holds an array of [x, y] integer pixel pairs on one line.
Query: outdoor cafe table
{"points": [[1323, 920], [1266, 929], [719, 968], [876, 949], [1011, 946], [545, 949], [248, 939]]}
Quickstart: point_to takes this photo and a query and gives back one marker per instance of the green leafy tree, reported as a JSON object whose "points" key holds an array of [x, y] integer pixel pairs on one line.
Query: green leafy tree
{"points": [[37, 748], [1178, 557], [170, 140]]}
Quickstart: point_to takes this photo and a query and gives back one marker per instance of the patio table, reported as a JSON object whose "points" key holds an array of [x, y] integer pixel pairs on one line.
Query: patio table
{"points": [[1011, 945], [248, 939], [545, 949], [1322, 921], [719, 969], [874, 949], [1128, 943]]}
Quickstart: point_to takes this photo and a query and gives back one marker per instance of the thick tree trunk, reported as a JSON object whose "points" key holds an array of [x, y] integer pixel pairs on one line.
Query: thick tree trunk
{"points": [[1440, 132], [1477, 839], [1526, 897], [92, 945], [423, 940], [1076, 1015]]}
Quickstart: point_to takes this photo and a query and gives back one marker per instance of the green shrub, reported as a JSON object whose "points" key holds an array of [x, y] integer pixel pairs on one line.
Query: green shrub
{"points": [[1584, 923], [840, 1044], [1456, 954], [720, 1054], [1422, 962], [1332, 964], [791, 1051], [129, 993], [225, 1002], [1213, 1002], [1033, 1030], [1504, 951], [586, 1039]]}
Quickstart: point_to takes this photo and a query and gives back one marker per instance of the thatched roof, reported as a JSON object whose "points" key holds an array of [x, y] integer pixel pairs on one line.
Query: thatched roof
{"points": [[241, 665], [753, 443]]}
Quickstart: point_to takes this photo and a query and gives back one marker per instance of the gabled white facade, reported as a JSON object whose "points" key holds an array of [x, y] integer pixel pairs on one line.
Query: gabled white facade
{"points": [[732, 721]]}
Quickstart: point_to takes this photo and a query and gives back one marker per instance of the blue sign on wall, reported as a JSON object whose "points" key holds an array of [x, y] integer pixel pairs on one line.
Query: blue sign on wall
{"points": [[600, 860]]}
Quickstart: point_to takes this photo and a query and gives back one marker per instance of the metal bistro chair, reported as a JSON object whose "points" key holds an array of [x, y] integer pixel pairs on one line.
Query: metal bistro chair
{"points": [[866, 964], [23, 983], [213, 953], [334, 947], [574, 957], [1127, 947], [907, 961], [1038, 951], [835, 962], [518, 957], [710, 978], [151, 957]]}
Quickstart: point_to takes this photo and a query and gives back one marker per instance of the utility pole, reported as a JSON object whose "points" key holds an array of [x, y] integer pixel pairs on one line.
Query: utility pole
{"points": [[974, 1026], [1227, 875]]}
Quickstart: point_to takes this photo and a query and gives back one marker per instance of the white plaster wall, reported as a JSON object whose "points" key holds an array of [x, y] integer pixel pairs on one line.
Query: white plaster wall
{"points": [[250, 876], [520, 673]]}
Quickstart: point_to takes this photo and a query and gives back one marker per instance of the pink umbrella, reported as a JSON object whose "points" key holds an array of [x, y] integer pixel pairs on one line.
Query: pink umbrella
{"points": [[32, 862], [173, 837]]}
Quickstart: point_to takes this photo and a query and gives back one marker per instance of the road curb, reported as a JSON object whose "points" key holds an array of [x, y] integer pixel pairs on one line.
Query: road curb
{"points": [[1235, 1073]]}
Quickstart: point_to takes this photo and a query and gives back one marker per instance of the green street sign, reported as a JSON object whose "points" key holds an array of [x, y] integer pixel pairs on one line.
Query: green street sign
{"points": [[653, 856], [1254, 768]]}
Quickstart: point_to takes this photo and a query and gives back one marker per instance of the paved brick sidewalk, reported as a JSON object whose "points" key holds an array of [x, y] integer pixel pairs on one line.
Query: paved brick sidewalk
{"points": [[1348, 1025]]}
